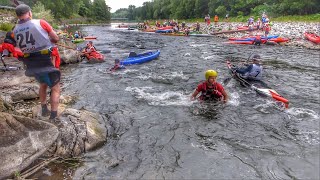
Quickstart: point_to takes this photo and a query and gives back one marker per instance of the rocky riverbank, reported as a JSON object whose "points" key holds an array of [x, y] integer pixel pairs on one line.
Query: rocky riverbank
{"points": [[292, 30]]}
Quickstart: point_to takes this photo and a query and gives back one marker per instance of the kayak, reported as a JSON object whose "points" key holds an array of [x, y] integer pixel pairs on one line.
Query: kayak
{"points": [[140, 58], [278, 39], [76, 41], [240, 42], [173, 34], [164, 31], [312, 37], [201, 35], [164, 28], [90, 37], [259, 86], [253, 37], [149, 30]]}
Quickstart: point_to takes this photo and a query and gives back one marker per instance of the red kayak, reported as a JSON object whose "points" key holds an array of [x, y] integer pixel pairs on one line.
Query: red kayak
{"points": [[279, 40], [240, 42], [90, 37], [165, 28], [312, 37]]}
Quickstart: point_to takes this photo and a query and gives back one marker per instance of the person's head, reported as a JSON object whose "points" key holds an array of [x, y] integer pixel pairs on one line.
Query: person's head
{"points": [[211, 76], [23, 11], [256, 59], [116, 61]]}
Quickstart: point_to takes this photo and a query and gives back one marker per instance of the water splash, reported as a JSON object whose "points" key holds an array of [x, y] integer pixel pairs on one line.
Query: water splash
{"points": [[169, 98], [303, 113], [234, 99]]}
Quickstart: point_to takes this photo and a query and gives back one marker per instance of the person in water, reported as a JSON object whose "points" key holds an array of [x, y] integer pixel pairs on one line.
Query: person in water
{"points": [[117, 65], [210, 89], [253, 71], [88, 50], [35, 37]]}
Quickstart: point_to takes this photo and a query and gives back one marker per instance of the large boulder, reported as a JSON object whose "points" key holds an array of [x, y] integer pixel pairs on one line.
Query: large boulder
{"points": [[22, 141], [15, 86], [80, 131]]}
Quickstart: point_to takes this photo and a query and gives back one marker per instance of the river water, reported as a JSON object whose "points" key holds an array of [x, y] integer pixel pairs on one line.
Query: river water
{"points": [[156, 132]]}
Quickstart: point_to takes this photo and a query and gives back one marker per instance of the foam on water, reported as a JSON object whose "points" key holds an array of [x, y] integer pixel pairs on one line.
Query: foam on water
{"points": [[303, 113], [165, 76], [234, 99], [169, 98]]}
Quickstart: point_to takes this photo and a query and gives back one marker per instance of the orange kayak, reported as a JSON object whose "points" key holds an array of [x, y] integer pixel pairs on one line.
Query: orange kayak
{"points": [[90, 37]]}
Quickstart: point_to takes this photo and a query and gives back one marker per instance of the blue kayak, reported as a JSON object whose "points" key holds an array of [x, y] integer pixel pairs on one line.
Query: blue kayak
{"points": [[262, 37], [140, 58], [164, 31]]}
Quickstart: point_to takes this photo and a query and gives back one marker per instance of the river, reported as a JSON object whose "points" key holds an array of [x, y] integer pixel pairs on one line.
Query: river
{"points": [[156, 132]]}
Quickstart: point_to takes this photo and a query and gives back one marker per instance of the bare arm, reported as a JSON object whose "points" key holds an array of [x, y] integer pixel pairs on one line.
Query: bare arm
{"points": [[194, 95], [53, 37], [225, 96]]}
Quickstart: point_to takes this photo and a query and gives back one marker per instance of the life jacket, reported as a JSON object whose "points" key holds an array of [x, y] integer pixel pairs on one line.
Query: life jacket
{"points": [[210, 93], [258, 38], [255, 73], [10, 38], [31, 37]]}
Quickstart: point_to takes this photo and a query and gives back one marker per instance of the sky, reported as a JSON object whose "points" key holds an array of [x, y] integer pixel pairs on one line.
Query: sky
{"points": [[117, 4]]}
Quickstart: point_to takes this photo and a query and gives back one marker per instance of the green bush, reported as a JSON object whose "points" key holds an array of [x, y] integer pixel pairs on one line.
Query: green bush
{"points": [[39, 12], [6, 26]]}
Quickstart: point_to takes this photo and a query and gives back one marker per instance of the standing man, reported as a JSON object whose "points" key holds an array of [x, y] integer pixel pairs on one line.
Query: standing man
{"points": [[216, 19], [35, 37]]}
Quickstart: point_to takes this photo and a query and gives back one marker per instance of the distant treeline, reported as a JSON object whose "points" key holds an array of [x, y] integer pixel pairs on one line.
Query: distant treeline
{"points": [[189, 9], [96, 10]]}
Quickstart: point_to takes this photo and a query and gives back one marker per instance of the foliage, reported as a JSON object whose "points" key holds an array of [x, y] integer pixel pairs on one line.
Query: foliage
{"points": [[55, 10], [6, 26], [186, 9], [39, 12]]}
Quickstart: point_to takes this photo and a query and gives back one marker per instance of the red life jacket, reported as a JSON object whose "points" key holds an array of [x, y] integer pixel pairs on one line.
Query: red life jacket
{"points": [[211, 93]]}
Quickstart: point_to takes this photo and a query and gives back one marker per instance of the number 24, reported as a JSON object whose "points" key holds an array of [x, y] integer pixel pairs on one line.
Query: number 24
{"points": [[29, 39]]}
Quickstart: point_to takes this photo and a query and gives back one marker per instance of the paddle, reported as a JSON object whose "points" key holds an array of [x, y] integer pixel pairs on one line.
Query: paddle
{"points": [[7, 68], [68, 47]]}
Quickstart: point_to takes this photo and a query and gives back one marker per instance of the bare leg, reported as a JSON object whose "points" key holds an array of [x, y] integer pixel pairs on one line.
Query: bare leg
{"points": [[55, 96], [43, 99], [43, 93]]}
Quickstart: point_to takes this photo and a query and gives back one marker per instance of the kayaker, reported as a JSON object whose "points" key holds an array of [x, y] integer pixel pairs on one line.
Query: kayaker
{"points": [[253, 71], [257, 40], [8, 45], [216, 19], [117, 66], [210, 89], [35, 37], [266, 29], [88, 50], [198, 26]]}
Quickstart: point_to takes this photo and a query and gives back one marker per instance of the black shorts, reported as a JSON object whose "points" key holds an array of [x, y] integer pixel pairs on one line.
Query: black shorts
{"points": [[49, 78]]}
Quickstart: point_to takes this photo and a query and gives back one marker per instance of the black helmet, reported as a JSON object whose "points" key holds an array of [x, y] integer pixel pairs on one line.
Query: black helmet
{"points": [[256, 57]]}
